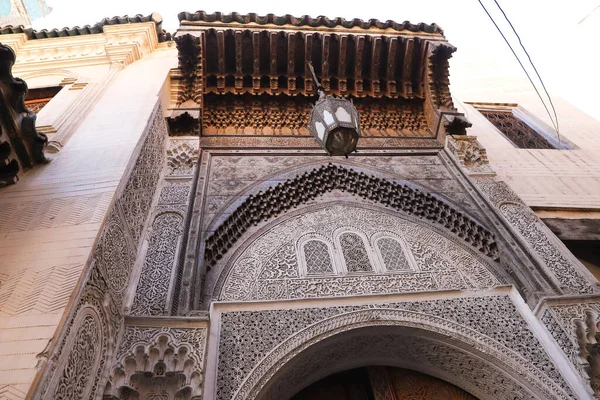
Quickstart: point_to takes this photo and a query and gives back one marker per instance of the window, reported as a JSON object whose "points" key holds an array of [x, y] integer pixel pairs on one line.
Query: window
{"points": [[355, 253], [37, 98], [317, 258], [521, 128], [392, 255]]}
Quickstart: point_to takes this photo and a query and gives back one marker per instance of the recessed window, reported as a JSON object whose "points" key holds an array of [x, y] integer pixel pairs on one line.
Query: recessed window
{"points": [[521, 128], [355, 253], [392, 254], [36, 99], [317, 257]]}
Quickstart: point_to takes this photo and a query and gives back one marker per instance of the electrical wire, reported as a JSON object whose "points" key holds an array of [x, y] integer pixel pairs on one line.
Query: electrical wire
{"points": [[522, 66], [556, 127]]}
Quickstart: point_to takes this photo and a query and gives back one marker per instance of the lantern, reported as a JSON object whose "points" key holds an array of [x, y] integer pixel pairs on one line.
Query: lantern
{"points": [[334, 122]]}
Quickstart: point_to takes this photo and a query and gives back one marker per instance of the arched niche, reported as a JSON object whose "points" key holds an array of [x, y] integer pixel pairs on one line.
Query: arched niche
{"points": [[470, 360], [268, 264], [319, 182]]}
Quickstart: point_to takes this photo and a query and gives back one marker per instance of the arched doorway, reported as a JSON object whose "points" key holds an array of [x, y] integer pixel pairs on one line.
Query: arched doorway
{"points": [[381, 383]]}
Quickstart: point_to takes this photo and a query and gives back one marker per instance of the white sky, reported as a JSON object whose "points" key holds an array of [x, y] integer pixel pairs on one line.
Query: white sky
{"points": [[565, 52]]}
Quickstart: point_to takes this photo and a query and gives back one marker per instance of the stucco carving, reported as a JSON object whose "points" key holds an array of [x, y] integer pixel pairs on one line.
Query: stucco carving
{"points": [[266, 269], [487, 325], [115, 255], [470, 154], [151, 293], [574, 327], [73, 370], [139, 190], [316, 183], [528, 225], [569, 273], [157, 363], [182, 156]]}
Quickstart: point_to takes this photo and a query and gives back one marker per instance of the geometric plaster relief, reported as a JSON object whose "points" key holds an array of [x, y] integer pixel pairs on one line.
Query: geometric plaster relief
{"points": [[527, 225], [270, 266], [320, 181], [182, 156], [175, 192], [575, 328], [158, 363], [74, 368], [255, 345], [137, 196], [151, 293], [114, 255]]}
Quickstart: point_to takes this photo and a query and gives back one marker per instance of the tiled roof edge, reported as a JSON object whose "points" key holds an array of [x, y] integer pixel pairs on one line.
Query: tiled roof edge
{"points": [[90, 29], [307, 21]]}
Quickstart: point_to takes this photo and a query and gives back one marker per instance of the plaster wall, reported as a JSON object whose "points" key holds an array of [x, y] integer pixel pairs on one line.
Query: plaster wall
{"points": [[544, 179], [52, 217]]}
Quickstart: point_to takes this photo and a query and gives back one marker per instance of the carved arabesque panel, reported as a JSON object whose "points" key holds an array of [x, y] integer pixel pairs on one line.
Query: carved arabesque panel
{"points": [[151, 293], [489, 324], [137, 196], [575, 328], [527, 225], [441, 263]]}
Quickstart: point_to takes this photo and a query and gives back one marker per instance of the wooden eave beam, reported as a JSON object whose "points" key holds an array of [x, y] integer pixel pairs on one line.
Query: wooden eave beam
{"points": [[392, 47], [256, 61], [325, 62], [239, 72], [358, 65], [375, 59], [342, 80], [291, 61], [406, 84], [221, 60], [273, 38]]}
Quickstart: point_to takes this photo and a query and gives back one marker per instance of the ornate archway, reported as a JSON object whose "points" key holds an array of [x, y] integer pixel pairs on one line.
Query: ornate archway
{"points": [[271, 263], [471, 360]]}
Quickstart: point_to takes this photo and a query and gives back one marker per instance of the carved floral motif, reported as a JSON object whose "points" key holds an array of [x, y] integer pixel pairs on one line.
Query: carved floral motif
{"points": [[490, 324]]}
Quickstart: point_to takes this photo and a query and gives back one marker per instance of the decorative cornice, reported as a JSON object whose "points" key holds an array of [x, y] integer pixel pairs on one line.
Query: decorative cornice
{"points": [[310, 185], [308, 22], [21, 146], [118, 43], [89, 29]]}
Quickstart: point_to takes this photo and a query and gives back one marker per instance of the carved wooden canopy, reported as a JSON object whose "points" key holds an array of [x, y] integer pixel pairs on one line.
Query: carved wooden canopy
{"points": [[237, 54]]}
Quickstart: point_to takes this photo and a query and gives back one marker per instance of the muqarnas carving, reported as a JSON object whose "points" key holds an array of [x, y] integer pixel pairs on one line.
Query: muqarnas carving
{"points": [[158, 363], [293, 192]]}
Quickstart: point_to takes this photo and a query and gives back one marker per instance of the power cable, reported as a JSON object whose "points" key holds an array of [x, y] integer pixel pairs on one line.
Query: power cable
{"points": [[534, 68], [522, 66]]}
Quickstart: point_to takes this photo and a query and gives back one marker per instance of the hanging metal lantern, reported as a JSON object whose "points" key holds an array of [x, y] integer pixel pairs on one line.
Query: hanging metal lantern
{"points": [[334, 122]]}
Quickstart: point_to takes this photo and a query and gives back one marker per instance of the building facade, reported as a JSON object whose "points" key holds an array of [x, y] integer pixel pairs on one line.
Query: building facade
{"points": [[182, 236]]}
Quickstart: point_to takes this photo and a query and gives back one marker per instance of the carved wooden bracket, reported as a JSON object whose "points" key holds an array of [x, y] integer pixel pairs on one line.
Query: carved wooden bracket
{"points": [[21, 146]]}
